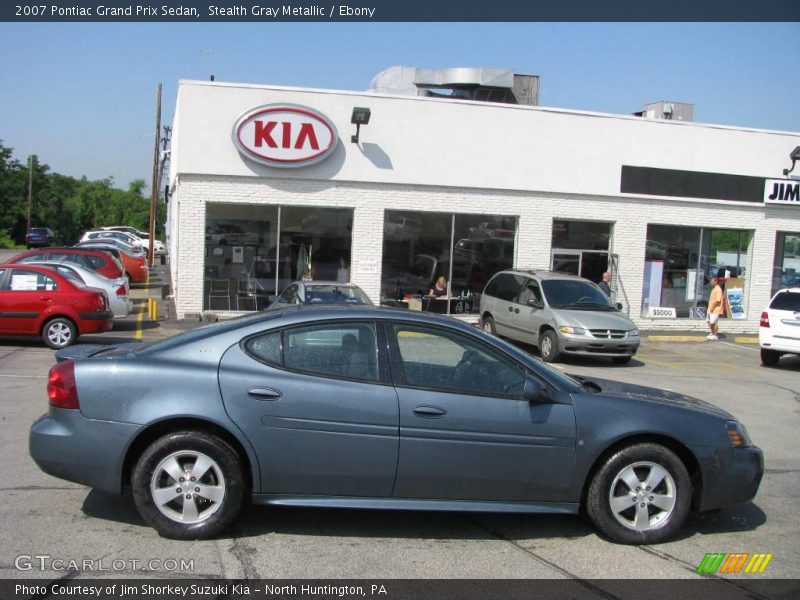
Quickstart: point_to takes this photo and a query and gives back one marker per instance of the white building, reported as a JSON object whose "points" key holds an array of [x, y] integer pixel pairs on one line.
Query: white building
{"points": [[463, 188]]}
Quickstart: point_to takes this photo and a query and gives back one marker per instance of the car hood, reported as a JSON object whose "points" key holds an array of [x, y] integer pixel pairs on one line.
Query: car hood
{"points": [[632, 391], [593, 319], [96, 350]]}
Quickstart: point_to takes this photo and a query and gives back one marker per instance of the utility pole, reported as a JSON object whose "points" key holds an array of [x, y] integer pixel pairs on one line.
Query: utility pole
{"points": [[154, 186], [30, 192]]}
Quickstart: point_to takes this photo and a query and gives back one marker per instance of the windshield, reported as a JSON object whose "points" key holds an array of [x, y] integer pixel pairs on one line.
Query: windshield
{"points": [[335, 294], [575, 294]]}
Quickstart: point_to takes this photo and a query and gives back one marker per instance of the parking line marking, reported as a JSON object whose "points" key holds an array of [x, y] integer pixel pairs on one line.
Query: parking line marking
{"points": [[742, 347], [25, 376]]}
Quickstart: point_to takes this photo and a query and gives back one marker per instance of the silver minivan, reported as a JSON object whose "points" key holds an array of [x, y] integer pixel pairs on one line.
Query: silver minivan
{"points": [[558, 312]]}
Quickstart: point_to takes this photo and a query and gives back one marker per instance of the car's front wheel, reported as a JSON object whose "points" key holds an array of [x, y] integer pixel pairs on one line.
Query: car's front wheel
{"points": [[188, 485], [769, 357], [640, 495], [548, 346], [59, 333], [488, 325]]}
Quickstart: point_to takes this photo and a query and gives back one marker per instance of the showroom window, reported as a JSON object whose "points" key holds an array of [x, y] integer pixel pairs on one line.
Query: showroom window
{"points": [[420, 247], [679, 262], [254, 252], [786, 271]]}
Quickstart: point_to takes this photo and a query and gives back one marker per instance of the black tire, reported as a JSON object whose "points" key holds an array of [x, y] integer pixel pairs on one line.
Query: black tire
{"points": [[224, 477], [548, 346], [673, 492], [59, 333], [769, 358], [487, 324], [621, 360]]}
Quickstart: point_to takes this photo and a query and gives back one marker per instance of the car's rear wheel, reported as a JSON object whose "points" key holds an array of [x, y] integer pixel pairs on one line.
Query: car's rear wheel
{"points": [[188, 485], [488, 325], [769, 357], [548, 346], [640, 495], [59, 333]]}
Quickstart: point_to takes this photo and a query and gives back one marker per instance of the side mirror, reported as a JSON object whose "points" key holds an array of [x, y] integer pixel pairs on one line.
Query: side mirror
{"points": [[618, 305], [535, 392], [534, 303]]}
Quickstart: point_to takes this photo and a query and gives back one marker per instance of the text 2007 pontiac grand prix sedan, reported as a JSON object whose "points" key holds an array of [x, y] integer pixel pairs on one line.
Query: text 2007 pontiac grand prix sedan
{"points": [[376, 408]]}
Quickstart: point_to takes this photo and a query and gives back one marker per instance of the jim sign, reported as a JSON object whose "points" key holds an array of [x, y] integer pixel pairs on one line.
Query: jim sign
{"points": [[285, 135], [782, 191]]}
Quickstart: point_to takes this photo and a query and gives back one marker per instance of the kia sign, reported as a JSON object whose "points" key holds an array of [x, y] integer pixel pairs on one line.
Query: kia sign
{"points": [[285, 135], [782, 191]]}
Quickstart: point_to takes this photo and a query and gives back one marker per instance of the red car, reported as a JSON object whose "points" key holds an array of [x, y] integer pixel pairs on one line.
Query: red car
{"points": [[96, 260], [37, 301], [135, 265]]}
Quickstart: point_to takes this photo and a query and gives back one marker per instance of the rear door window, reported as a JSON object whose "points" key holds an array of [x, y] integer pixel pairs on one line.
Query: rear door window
{"points": [[786, 301], [23, 280], [509, 286]]}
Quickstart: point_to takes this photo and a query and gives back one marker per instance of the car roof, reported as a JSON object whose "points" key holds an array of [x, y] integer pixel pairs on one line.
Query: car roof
{"points": [[544, 275], [62, 250], [326, 282]]}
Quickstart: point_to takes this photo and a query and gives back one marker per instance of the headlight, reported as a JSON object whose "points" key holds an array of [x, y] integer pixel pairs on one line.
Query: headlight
{"points": [[633, 333], [737, 434], [571, 329]]}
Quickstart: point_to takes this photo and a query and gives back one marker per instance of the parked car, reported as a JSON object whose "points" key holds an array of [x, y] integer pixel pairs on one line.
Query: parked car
{"points": [[132, 230], [136, 240], [134, 265], [96, 260], [361, 407], [37, 301], [319, 292], [779, 333], [116, 290], [39, 237], [558, 312]]}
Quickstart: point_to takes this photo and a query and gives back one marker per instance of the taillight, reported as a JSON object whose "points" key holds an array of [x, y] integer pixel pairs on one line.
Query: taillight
{"points": [[97, 302], [121, 291], [61, 387], [765, 319]]}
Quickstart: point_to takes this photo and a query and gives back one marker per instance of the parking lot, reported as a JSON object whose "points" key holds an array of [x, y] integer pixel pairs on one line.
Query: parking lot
{"points": [[42, 515]]}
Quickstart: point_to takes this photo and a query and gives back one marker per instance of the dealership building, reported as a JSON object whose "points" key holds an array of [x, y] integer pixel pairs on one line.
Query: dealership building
{"points": [[460, 173]]}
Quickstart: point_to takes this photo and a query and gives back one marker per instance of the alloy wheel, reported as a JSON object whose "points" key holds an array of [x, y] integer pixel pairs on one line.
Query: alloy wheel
{"points": [[187, 487], [642, 496]]}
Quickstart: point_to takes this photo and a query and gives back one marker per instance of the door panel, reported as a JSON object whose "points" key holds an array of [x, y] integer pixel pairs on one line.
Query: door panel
{"points": [[27, 295], [313, 434]]}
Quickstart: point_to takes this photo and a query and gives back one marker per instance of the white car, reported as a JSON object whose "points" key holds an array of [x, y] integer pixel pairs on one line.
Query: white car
{"points": [[119, 299], [780, 326], [123, 236]]}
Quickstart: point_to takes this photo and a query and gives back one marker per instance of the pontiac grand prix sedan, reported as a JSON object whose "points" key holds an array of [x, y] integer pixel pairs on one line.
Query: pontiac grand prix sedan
{"points": [[375, 408]]}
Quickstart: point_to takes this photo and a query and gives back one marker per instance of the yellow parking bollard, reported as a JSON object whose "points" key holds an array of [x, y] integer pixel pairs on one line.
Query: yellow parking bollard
{"points": [[152, 309]]}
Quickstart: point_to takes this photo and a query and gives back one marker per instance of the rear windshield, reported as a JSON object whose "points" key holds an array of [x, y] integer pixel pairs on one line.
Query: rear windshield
{"points": [[39, 231], [335, 294], [786, 301]]}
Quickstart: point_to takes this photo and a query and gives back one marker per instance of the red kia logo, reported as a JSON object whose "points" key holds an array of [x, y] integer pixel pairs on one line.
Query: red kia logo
{"points": [[284, 135]]}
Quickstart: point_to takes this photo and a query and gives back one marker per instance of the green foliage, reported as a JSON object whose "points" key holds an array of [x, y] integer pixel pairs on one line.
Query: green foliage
{"points": [[67, 205], [6, 241]]}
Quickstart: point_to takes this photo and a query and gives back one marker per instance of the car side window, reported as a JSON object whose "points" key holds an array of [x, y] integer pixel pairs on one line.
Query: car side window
{"points": [[451, 362], [531, 291], [289, 296], [23, 280], [2, 275], [39, 256], [93, 262], [509, 286], [347, 350]]}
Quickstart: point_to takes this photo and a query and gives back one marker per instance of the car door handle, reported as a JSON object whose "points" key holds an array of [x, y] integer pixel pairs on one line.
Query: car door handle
{"points": [[430, 412], [516, 310], [264, 393], [510, 308]]}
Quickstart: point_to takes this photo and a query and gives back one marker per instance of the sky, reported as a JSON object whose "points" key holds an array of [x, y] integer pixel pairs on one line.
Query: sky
{"points": [[82, 96]]}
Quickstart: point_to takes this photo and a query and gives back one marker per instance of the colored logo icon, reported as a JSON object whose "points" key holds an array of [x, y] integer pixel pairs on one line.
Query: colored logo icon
{"points": [[733, 563]]}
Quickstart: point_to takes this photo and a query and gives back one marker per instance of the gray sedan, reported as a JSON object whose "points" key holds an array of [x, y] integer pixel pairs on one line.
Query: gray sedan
{"points": [[383, 409]]}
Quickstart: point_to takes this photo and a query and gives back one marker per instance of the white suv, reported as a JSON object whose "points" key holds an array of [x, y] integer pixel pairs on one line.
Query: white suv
{"points": [[780, 326]]}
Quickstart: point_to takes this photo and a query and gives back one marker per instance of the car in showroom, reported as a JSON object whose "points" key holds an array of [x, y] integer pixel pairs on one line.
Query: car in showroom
{"points": [[39, 237], [364, 407], [116, 290], [779, 331], [38, 301], [319, 292], [96, 260], [560, 313]]}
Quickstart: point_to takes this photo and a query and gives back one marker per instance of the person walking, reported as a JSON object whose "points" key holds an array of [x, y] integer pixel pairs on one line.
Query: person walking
{"points": [[605, 284], [715, 307]]}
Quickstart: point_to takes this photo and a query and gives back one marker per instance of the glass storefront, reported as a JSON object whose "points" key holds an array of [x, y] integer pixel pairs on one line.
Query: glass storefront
{"points": [[253, 252], [582, 248], [679, 262], [786, 269], [421, 247]]}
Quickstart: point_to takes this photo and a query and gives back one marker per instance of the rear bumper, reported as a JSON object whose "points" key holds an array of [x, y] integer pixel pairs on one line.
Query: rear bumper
{"points": [[589, 346], [96, 322], [730, 476], [780, 343], [67, 445]]}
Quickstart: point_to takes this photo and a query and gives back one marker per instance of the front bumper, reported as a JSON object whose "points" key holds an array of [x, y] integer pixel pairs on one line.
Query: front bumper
{"points": [[67, 445], [730, 475], [587, 345]]}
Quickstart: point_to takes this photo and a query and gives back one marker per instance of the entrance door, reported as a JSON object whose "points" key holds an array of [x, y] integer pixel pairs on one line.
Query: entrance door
{"points": [[588, 264]]}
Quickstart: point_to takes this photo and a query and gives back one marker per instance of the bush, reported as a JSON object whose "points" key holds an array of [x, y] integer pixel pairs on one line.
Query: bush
{"points": [[6, 241]]}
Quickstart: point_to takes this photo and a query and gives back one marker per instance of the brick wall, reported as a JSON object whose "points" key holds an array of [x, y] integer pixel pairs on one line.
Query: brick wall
{"points": [[536, 212]]}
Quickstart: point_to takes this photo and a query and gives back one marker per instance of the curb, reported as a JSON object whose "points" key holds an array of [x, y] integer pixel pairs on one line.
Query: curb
{"points": [[739, 339]]}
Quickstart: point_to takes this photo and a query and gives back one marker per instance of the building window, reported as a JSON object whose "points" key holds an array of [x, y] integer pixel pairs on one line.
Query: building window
{"points": [[582, 248], [254, 252], [680, 261], [786, 271], [421, 247]]}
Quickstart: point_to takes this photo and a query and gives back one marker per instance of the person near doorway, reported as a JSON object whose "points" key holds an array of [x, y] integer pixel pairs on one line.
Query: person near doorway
{"points": [[605, 284], [715, 308], [440, 288]]}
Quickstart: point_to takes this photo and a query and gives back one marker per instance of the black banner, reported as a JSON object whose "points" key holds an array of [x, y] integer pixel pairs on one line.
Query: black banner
{"points": [[398, 10], [77, 588]]}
